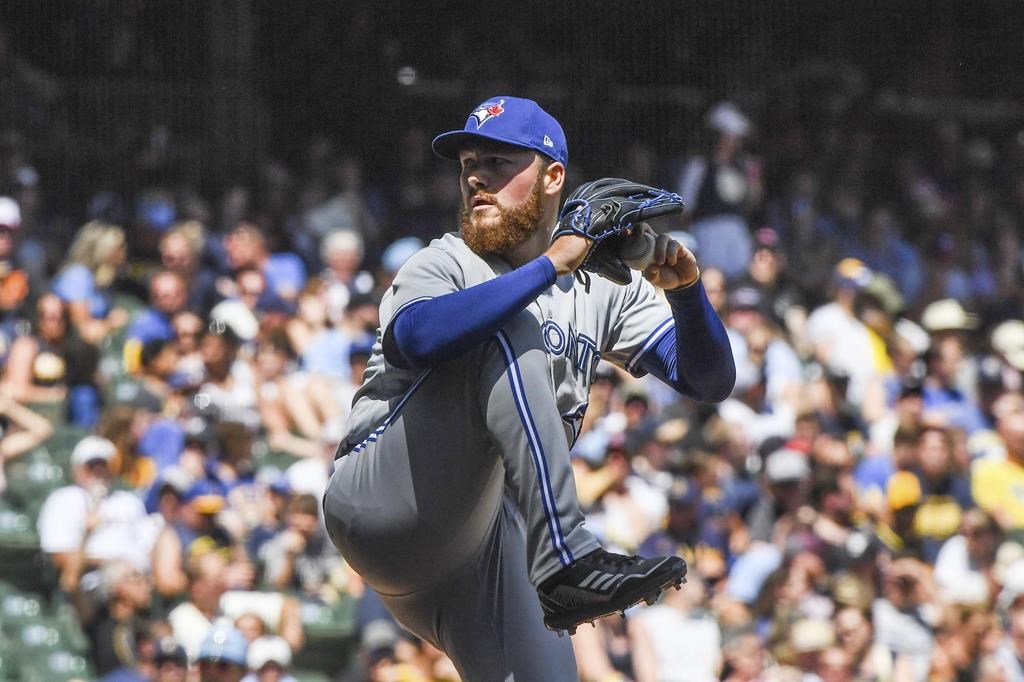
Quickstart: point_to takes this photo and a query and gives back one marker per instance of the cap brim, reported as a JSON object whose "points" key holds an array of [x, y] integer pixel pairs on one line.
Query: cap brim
{"points": [[208, 504], [447, 145], [221, 658], [84, 461]]}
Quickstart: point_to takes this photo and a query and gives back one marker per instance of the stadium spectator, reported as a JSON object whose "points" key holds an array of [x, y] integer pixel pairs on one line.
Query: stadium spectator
{"points": [[288, 411], [14, 281], [768, 274], [189, 370], [322, 347], [715, 286], [170, 661], [883, 248], [299, 559], [194, 532], [112, 615], [90, 522], [675, 636], [167, 298], [719, 189], [53, 367], [269, 660], [285, 274], [906, 616], [786, 486], [21, 430], [945, 491], [181, 251], [1011, 651], [838, 340], [947, 364], [695, 529], [995, 482], [229, 388], [964, 565], [342, 253], [85, 279], [869, 659], [310, 476], [221, 656]]}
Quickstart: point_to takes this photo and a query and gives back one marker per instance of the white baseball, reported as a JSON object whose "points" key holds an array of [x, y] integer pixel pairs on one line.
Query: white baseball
{"points": [[637, 250]]}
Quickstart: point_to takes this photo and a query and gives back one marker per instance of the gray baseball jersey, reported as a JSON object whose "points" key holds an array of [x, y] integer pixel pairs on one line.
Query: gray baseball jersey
{"points": [[443, 470]]}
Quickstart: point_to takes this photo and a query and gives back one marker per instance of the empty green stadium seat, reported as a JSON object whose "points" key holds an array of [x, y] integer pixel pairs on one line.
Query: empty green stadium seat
{"points": [[56, 666], [16, 532], [30, 481], [330, 636], [35, 639], [63, 441], [309, 676]]}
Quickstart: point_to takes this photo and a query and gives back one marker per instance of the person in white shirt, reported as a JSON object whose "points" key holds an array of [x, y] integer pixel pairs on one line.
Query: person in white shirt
{"points": [[840, 342], [965, 560], [674, 641], [89, 515]]}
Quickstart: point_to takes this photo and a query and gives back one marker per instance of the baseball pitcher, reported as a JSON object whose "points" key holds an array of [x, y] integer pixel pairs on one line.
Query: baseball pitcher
{"points": [[453, 494]]}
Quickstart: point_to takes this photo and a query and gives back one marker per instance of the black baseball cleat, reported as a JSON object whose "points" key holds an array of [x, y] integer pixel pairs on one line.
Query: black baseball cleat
{"points": [[602, 583]]}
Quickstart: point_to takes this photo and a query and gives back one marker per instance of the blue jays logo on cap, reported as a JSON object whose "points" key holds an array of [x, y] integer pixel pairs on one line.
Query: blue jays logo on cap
{"points": [[487, 111], [512, 120]]}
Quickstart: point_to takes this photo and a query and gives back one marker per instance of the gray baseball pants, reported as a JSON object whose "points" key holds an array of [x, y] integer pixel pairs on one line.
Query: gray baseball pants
{"points": [[463, 504]]}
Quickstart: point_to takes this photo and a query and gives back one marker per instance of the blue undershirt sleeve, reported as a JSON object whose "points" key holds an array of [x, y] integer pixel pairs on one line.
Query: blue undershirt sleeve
{"points": [[697, 359], [433, 331]]}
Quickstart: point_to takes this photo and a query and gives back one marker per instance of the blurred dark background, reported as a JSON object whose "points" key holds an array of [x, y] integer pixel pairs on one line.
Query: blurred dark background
{"points": [[100, 87]]}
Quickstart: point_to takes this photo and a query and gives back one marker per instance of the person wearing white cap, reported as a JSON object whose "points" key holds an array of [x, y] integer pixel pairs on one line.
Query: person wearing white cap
{"points": [[269, 659], [787, 474], [718, 188], [1007, 340], [90, 517]]}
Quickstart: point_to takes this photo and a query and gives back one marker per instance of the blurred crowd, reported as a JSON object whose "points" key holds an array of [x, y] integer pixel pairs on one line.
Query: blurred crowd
{"points": [[854, 511]]}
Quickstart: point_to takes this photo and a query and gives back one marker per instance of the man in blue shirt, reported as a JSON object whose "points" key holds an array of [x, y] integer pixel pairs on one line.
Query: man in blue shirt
{"points": [[284, 272], [167, 297]]}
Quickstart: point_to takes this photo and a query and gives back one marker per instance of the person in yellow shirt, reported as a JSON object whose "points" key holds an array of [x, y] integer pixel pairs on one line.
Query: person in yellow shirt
{"points": [[998, 485]]}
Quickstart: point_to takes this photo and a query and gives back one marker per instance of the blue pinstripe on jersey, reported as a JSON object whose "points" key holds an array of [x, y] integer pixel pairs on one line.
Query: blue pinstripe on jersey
{"points": [[547, 496]]}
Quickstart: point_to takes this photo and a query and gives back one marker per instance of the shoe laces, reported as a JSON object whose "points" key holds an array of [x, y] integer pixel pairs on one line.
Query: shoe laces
{"points": [[618, 560]]}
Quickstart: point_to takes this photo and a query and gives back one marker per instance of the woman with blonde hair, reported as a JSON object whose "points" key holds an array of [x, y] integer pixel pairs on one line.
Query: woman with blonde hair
{"points": [[94, 259]]}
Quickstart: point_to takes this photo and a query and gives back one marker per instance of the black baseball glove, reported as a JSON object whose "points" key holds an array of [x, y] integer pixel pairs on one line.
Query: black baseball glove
{"points": [[605, 211]]}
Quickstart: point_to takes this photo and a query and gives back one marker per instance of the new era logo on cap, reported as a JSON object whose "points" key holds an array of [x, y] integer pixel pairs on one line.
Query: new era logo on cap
{"points": [[512, 120]]}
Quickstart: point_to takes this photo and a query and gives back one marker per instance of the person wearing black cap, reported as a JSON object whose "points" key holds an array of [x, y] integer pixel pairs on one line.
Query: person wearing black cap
{"points": [[170, 661], [480, 377]]}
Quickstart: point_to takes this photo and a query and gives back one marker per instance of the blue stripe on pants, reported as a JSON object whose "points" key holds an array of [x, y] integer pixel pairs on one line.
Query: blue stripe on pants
{"points": [[547, 496]]}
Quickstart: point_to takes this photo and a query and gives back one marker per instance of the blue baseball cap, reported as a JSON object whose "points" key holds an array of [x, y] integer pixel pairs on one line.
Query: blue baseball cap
{"points": [[206, 495], [512, 120], [224, 644]]}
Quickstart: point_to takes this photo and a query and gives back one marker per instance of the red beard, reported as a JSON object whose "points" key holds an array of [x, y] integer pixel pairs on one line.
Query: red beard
{"points": [[515, 225]]}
